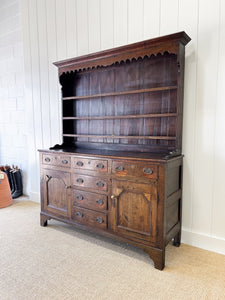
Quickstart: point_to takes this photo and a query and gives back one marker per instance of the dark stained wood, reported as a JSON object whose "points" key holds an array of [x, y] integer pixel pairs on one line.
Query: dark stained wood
{"points": [[97, 165], [125, 168], [135, 209], [57, 160], [156, 89], [56, 191], [122, 137], [89, 200], [89, 217], [123, 117], [93, 183], [119, 170], [105, 154]]}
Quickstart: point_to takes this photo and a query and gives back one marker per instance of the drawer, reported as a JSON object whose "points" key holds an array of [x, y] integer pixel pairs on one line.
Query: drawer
{"points": [[98, 165], [56, 160], [90, 200], [144, 170], [89, 217], [85, 181]]}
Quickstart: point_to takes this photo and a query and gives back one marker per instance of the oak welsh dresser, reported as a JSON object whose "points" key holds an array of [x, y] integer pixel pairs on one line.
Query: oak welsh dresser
{"points": [[118, 171]]}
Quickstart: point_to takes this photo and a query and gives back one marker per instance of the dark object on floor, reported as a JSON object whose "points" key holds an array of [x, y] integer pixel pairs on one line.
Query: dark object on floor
{"points": [[18, 185], [15, 180]]}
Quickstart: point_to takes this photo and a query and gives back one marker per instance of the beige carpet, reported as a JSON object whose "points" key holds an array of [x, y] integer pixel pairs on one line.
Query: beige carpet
{"points": [[60, 262]]}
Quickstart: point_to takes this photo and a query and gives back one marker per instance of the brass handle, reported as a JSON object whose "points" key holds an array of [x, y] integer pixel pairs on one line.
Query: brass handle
{"points": [[79, 214], [99, 220], [80, 197], [148, 171], [100, 166], [64, 161], [100, 184], [113, 197], [119, 168], [80, 163], [47, 159], [99, 201], [80, 180]]}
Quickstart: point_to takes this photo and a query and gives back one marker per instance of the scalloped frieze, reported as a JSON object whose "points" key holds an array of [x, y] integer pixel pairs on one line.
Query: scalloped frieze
{"points": [[89, 65]]}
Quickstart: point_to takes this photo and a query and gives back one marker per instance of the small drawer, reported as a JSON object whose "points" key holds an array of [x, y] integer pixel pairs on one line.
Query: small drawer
{"points": [[121, 168], [90, 164], [89, 217], [89, 200], [57, 160], [95, 183]]}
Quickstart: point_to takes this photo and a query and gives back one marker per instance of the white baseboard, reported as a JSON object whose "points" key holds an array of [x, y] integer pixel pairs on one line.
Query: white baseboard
{"points": [[207, 242], [34, 196]]}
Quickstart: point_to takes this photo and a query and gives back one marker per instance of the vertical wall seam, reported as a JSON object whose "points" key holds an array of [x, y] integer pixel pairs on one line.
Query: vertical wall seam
{"points": [[66, 28], [113, 24], [49, 102], [215, 122], [76, 27], [143, 5], [88, 25], [39, 68], [57, 85], [100, 22], [160, 12], [127, 21], [194, 118], [32, 92], [56, 33]]}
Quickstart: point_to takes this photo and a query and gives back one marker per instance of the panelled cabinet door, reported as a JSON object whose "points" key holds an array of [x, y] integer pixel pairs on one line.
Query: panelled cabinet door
{"points": [[134, 209], [56, 191]]}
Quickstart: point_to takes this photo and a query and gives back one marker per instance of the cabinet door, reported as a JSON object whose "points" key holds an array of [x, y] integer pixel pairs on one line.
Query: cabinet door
{"points": [[134, 209], [56, 192]]}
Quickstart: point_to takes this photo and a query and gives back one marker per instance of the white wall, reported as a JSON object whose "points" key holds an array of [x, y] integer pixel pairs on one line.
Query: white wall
{"points": [[57, 29], [13, 132]]}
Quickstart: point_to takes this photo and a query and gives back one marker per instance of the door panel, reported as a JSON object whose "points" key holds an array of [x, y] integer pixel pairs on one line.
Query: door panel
{"points": [[134, 207], [133, 212], [56, 191]]}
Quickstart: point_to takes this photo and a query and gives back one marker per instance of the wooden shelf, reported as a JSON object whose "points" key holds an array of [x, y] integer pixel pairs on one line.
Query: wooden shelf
{"points": [[122, 117], [155, 89], [141, 137]]}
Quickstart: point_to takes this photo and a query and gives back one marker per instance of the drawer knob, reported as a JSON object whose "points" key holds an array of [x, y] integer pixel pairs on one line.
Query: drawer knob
{"points": [[99, 201], [64, 161], [79, 214], [119, 168], [80, 197], [80, 180], [47, 159], [99, 220], [100, 184], [148, 171], [80, 163], [100, 166]]}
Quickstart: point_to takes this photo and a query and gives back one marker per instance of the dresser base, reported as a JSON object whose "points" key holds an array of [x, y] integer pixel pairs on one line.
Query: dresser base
{"points": [[156, 255]]}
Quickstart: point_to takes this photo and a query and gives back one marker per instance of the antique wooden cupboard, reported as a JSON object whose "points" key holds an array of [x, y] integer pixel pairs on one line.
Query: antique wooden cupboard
{"points": [[119, 169]]}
